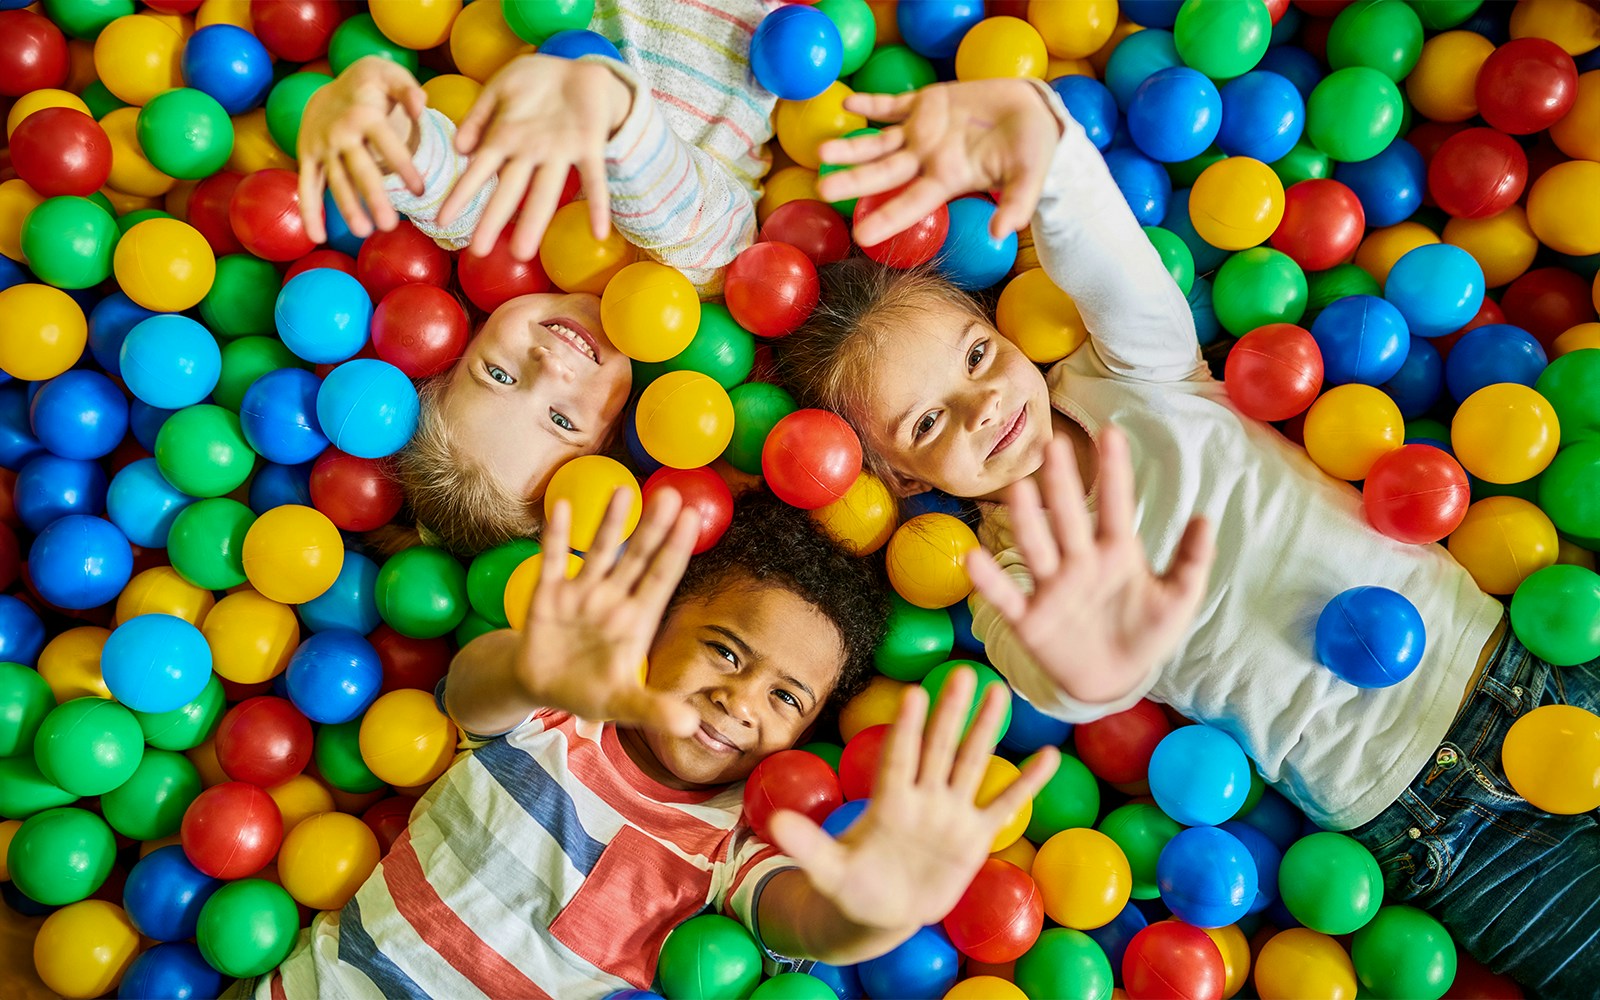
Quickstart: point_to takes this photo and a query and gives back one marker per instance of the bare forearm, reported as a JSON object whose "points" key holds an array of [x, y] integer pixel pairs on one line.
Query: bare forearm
{"points": [[482, 692], [798, 922]]}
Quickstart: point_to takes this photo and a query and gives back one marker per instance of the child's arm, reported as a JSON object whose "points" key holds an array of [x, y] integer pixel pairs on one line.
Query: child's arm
{"points": [[585, 637]]}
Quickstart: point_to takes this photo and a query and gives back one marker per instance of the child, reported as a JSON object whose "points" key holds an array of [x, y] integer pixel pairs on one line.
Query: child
{"points": [[670, 146], [1072, 613], [555, 859]]}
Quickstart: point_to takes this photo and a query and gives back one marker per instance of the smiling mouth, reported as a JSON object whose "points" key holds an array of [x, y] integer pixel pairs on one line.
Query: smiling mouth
{"points": [[714, 741], [1012, 431], [571, 333]]}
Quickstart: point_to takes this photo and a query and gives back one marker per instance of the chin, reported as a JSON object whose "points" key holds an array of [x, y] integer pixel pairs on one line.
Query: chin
{"points": [[690, 763]]}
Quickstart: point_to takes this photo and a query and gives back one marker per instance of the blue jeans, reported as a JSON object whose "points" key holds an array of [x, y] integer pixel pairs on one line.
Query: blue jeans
{"points": [[1518, 887]]}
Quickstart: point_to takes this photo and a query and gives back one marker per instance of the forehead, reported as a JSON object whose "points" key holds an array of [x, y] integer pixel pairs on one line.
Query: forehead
{"points": [[780, 627]]}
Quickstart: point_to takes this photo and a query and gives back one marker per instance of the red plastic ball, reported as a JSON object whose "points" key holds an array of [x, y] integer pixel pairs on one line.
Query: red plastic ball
{"points": [[33, 53], [296, 30], [265, 741], [265, 214], [335, 259], [10, 557], [858, 764], [420, 329], [999, 916], [498, 277], [1274, 371], [408, 662], [61, 151], [231, 830], [401, 256], [388, 819], [1322, 226], [811, 226], [770, 288], [1172, 960], [1547, 302], [208, 211], [1526, 85], [1487, 314], [914, 245], [1117, 747], [357, 494], [796, 780], [1477, 172], [8, 499], [1416, 493], [811, 458], [1475, 981], [704, 492]]}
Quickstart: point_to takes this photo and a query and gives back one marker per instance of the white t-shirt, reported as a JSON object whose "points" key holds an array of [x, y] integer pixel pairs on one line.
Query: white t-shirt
{"points": [[1289, 537]]}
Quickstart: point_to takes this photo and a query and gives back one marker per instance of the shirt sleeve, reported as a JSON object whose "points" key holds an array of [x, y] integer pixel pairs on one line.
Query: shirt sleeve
{"points": [[740, 878], [441, 166], [1094, 249]]}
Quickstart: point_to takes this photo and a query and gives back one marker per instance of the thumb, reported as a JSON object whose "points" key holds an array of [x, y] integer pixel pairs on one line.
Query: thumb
{"points": [[662, 712], [415, 100], [818, 855]]}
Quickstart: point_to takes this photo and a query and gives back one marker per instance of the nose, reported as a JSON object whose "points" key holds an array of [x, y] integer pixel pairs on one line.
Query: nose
{"points": [[549, 362], [984, 408], [738, 700]]}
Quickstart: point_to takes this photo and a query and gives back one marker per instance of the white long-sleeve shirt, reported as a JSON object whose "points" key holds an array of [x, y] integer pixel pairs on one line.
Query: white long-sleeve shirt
{"points": [[1289, 537]]}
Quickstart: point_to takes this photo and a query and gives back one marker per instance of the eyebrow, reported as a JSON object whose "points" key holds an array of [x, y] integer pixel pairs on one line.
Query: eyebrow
{"points": [[749, 654]]}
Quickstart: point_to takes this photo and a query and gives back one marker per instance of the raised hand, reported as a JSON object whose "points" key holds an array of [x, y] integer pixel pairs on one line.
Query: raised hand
{"points": [[908, 859], [946, 140], [1099, 618], [586, 637], [370, 111]]}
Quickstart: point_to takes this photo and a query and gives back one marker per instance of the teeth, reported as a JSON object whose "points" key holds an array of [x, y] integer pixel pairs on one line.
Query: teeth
{"points": [[573, 338]]}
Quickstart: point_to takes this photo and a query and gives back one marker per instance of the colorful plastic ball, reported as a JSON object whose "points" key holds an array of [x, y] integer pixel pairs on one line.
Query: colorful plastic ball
{"points": [[810, 226], [863, 519], [1567, 494], [1526, 85], [156, 663], [230, 64], [1495, 353], [83, 949], [1039, 317], [1142, 831], [325, 858], [1031, 729], [400, 256], [202, 451], [1363, 339], [1173, 959], [70, 664], [1207, 877], [28, 699], [721, 348], [137, 57], [709, 956], [1477, 173], [1569, 384], [970, 257], [355, 493], [34, 55], [1262, 116], [1236, 203], [1553, 613], [914, 245], [1175, 114], [174, 969], [796, 52], [248, 927], [701, 490], [1502, 540], [185, 133], [915, 641], [1330, 883], [264, 741], [1221, 39], [420, 329], [489, 573], [496, 278], [1371, 637], [757, 408], [1274, 372], [1091, 105], [893, 69], [1416, 494], [811, 458], [1145, 186], [367, 408], [1404, 952], [935, 29], [573, 259], [164, 893], [771, 288], [1505, 433], [349, 603], [49, 488], [650, 311], [1000, 47], [79, 415], [69, 242], [587, 484], [165, 265], [1175, 255], [45, 332], [1389, 185], [278, 416], [1437, 288], [323, 315], [88, 746], [1563, 209], [1350, 427], [1256, 287], [1301, 962], [1376, 35], [1354, 113], [1565, 733], [170, 362], [999, 917], [80, 562], [265, 215], [1322, 225], [1199, 776], [151, 803], [422, 593], [684, 419], [793, 780], [926, 560], [1064, 962], [405, 740], [60, 855], [924, 965], [1083, 877], [109, 323], [277, 485], [251, 637]]}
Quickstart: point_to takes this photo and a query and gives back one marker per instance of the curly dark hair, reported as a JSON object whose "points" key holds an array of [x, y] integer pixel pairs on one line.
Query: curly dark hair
{"points": [[772, 542]]}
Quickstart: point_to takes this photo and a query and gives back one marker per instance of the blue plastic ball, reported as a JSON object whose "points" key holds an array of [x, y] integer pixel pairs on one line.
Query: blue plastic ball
{"points": [[350, 603], [143, 504], [21, 631], [1091, 105], [109, 323], [323, 315], [796, 52], [634, 995], [170, 361], [1135, 58], [934, 28], [1277, 819], [575, 42], [639, 458], [1263, 116], [11, 272], [1389, 186], [1113, 938], [966, 643], [1438, 289], [1207, 258], [340, 237], [230, 64], [1371, 637], [334, 676], [1294, 64], [1207, 877], [1206, 325], [843, 980], [844, 817], [1363, 339], [1031, 729], [970, 258], [1199, 776], [49, 488], [146, 421], [1143, 182], [155, 663], [367, 408], [79, 414], [1266, 856], [280, 485], [17, 443], [279, 416], [164, 894], [173, 971], [80, 562], [923, 967], [1174, 114], [1498, 352], [1420, 380]]}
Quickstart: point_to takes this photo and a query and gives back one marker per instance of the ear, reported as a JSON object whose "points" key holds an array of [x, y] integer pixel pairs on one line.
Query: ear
{"points": [[904, 486]]}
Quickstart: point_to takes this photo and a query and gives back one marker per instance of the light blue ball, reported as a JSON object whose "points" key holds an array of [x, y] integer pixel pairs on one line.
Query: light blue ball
{"points": [[1437, 288], [170, 361], [143, 504], [1175, 114], [1263, 116], [1199, 776], [1371, 637], [1135, 58], [368, 408], [156, 663], [1363, 339], [323, 315], [970, 258], [350, 603], [1207, 877]]}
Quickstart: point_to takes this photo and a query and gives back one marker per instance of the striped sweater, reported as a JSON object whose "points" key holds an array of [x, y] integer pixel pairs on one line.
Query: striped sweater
{"points": [[685, 166]]}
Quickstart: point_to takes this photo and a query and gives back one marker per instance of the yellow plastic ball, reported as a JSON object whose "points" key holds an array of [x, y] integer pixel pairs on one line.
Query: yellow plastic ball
{"points": [[1583, 337], [405, 739], [253, 147], [997, 777], [1441, 86], [520, 584], [1571, 24], [877, 705], [1084, 878], [1350, 427], [685, 419], [1073, 30], [38, 100], [1502, 541], [1552, 758], [1570, 554], [791, 183], [1070, 67], [17, 199], [122, 202], [204, 759], [481, 41], [138, 57], [1564, 207], [862, 520], [587, 484], [70, 664], [164, 264], [42, 332], [650, 311], [324, 859], [1235, 949], [161, 591], [292, 554], [1505, 433], [300, 798], [1236, 203], [1503, 244], [574, 259], [8, 831], [83, 949], [802, 126], [416, 24], [1300, 963], [251, 637], [234, 12], [927, 560], [1382, 248], [131, 171], [1039, 318], [452, 95], [1575, 134], [1019, 852], [985, 988], [999, 47]]}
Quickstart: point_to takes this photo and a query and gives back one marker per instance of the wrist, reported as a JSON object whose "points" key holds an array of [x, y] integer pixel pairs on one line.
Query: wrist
{"points": [[619, 100]]}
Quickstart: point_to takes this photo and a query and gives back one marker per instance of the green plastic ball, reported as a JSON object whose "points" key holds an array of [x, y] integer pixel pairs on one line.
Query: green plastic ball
{"points": [[830, 752], [245, 360], [206, 543], [1064, 963], [757, 407], [1422, 428], [69, 241], [1383, 34], [1304, 162], [150, 805], [360, 36], [709, 957], [338, 757], [1323, 288], [935, 681], [893, 69], [1185, 172], [61, 855], [1441, 15], [201, 451], [89, 746], [1556, 614], [1572, 385], [241, 298], [1527, 490], [247, 927], [286, 105], [1569, 490], [536, 20], [847, 207], [422, 592], [128, 221], [1258, 286], [1222, 38], [85, 19], [915, 641], [1353, 114], [99, 198], [186, 726], [24, 790], [1070, 799], [1141, 829], [721, 350], [1330, 883], [473, 625], [1175, 255], [1404, 952], [487, 576], [25, 699], [185, 133], [100, 100], [795, 985], [858, 30]]}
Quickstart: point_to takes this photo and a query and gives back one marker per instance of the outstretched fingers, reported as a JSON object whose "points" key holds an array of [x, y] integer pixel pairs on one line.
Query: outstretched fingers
{"points": [[870, 178], [897, 768], [996, 586], [1116, 486], [1064, 499], [553, 543], [881, 107], [972, 759], [1191, 563], [310, 191], [862, 148], [1035, 773], [921, 197], [822, 858]]}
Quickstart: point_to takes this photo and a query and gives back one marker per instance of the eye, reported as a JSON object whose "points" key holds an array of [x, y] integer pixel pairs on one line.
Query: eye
{"points": [[499, 375], [790, 700], [560, 420], [724, 652], [975, 357], [925, 424]]}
